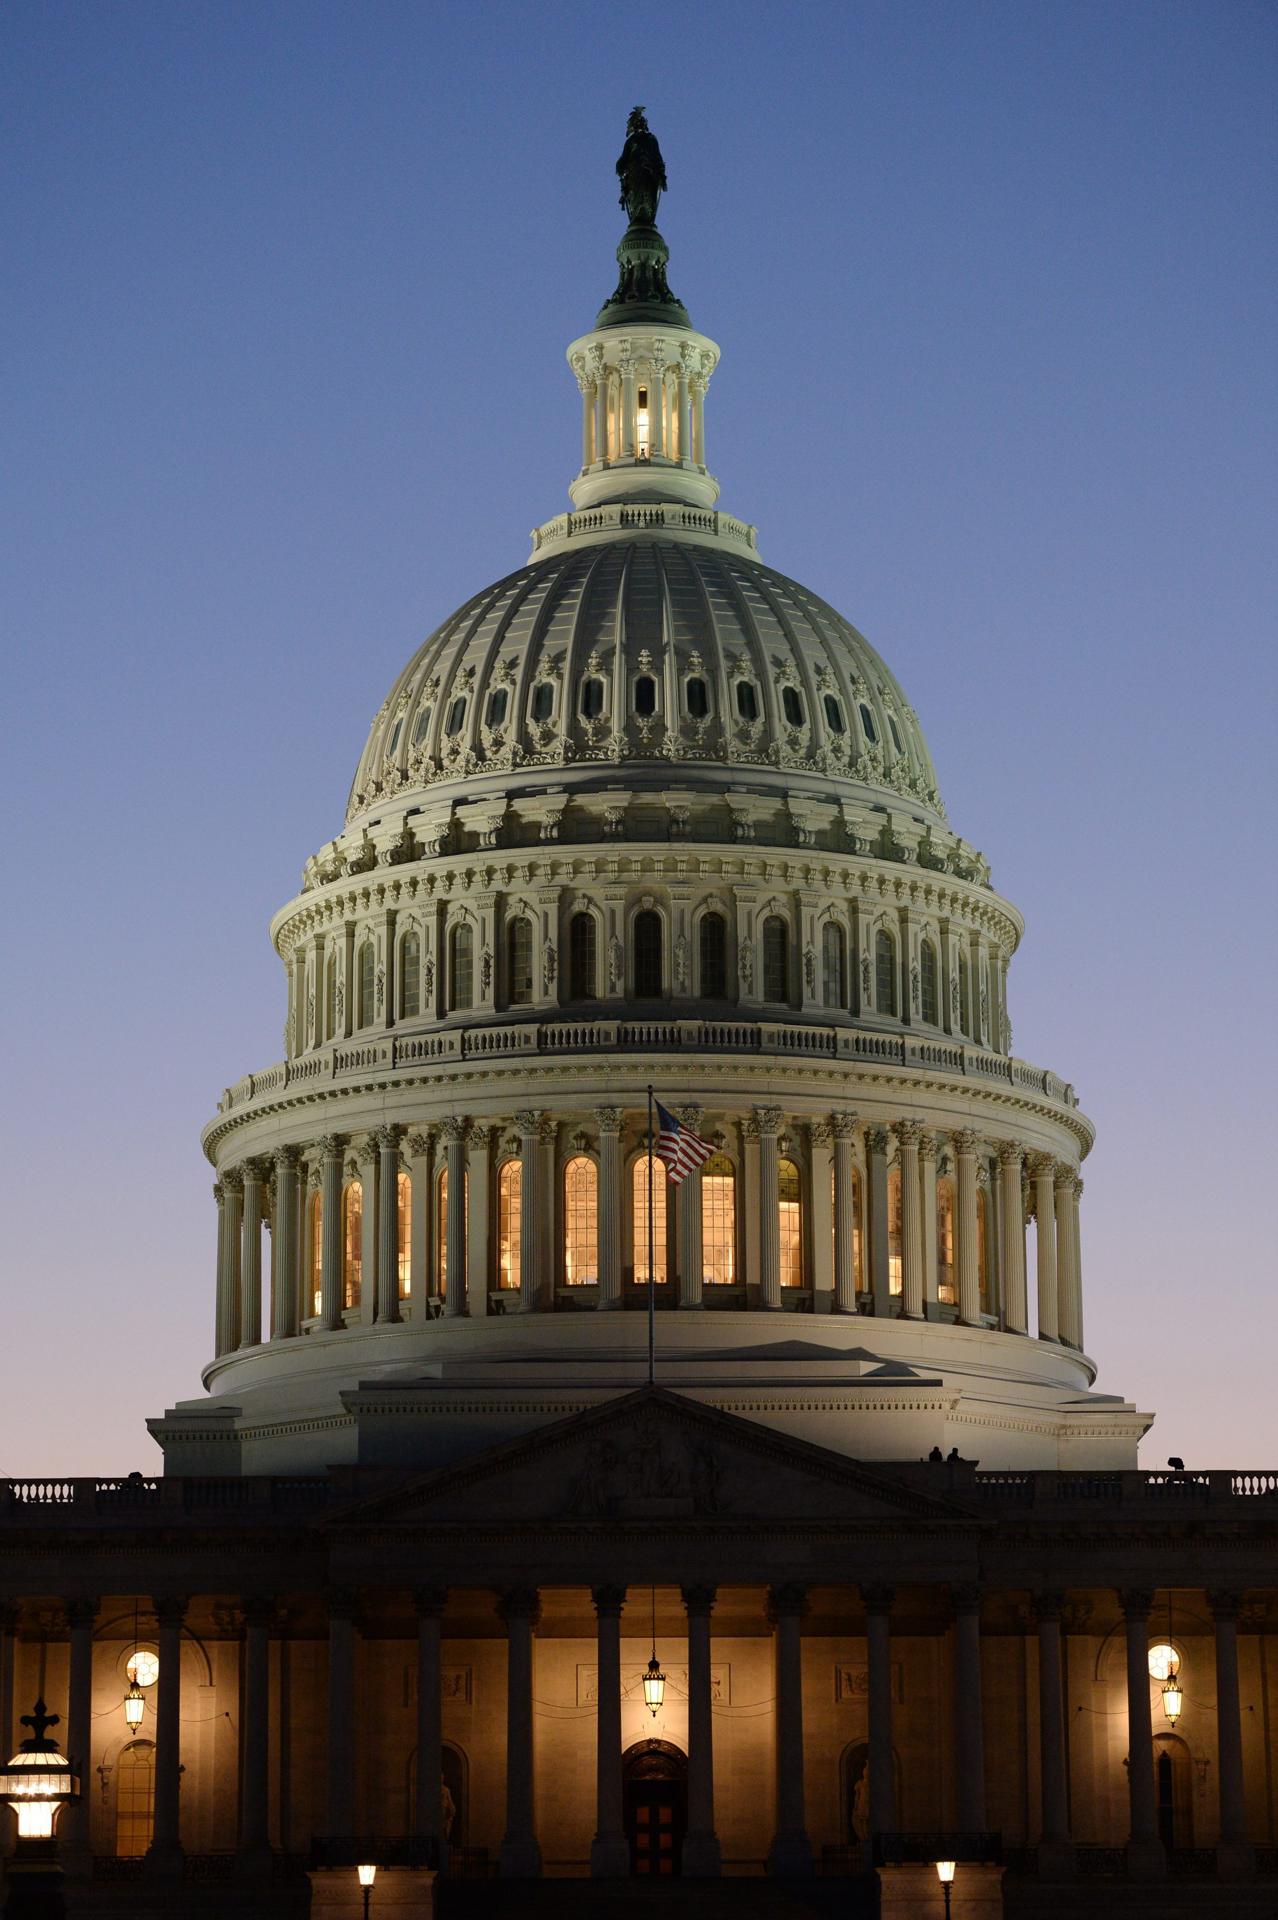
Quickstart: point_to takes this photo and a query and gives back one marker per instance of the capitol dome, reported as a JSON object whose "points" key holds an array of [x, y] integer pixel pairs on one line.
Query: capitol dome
{"points": [[646, 821]]}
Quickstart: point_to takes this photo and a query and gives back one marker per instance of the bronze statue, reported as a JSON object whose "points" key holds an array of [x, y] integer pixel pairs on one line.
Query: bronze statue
{"points": [[641, 171]]}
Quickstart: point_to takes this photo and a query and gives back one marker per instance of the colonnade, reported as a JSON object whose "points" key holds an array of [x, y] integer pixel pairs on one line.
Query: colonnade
{"points": [[790, 1851], [670, 426], [868, 1244]]}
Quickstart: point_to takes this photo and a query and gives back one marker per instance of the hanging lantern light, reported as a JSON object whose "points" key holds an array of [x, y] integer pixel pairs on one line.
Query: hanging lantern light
{"points": [[134, 1706], [654, 1681], [1173, 1693]]}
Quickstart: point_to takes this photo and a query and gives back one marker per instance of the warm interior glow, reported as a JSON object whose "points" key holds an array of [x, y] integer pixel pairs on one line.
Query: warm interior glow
{"points": [[581, 1222], [660, 1245], [134, 1706], [144, 1667], [791, 1228], [404, 1208], [718, 1222], [1164, 1661], [352, 1242], [35, 1820], [441, 1230], [895, 1268], [510, 1200], [643, 433]]}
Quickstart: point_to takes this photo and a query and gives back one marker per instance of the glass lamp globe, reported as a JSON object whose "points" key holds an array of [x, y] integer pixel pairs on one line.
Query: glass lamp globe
{"points": [[945, 1872], [654, 1687], [1173, 1700], [38, 1780], [367, 1874], [134, 1706]]}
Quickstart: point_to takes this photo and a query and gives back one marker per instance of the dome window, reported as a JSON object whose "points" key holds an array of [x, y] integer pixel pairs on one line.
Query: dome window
{"points": [[456, 719], [776, 958], [792, 706], [396, 730], [896, 737], [519, 961], [543, 700], [834, 715], [884, 974], [421, 726], [928, 978], [833, 965], [747, 701], [582, 944], [697, 695], [592, 698], [648, 955], [714, 946], [867, 724], [645, 695], [497, 707]]}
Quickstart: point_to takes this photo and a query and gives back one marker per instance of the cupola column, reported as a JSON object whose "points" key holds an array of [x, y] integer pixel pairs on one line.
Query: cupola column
{"points": [[1012, 1221], [698, 385], [656, 398], [1041, 1171], [790, 1855], [1075, 1266], [628, 438], [228, 1317], [908, 1134], [520, 1856], [284, 1247], [609, 1850], [1146, 1859], [420, 1164], [687, 1199], [479, 1212], [219, 1306], [369, 1283], [251, 1257], [969, 1271], [701, 1852], [331, 1232], [530, 1185], [587, 411], [601, 404], [685, 412], [388, 1224], [876, 1151], [845, 1247], [927, 1200], [1063, 1198], [454, 1132], [769, 1119], [608, 1120]]}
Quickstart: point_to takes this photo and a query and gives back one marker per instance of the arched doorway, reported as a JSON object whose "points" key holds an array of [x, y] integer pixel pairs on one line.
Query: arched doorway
{"points": [[655, 1774], [134, 1799]]}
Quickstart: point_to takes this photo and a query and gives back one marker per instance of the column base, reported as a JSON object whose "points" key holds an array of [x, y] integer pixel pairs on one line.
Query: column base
{"points": [[1235, 1860], [1146, 1860], [702, 1858], [790, 1856], [1056, 1860], [521, 1860], [610, 1857], [163, 1863]]}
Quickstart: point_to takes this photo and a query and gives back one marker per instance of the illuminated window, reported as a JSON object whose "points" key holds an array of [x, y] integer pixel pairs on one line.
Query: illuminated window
{"points": [[713, 944], [697, 695], [592, 698], [928, 994], [833, 965], [643, 425], [404, 1211], [364, 986], [410, 977], [884, 973], [647, 936], [441, 1230], [982, 1255], [894, 1230], [510, 1193], [134, 1799], [461, 968], [747, 701], [776, 959], [330, 996], [143, 1666], [867, 724], [792, 706], [858, 1270], [639, 1215], [316, 1219], [834, 715], [965, 994], [581, 1222], [791, 1211], [945, 1276], [645, 695], [543, 701], [352, 1242], [519, 961], [1164, 1660], [718, 1222], [582, 941]]}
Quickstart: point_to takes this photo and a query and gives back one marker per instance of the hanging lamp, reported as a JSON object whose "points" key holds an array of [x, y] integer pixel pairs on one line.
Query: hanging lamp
{"points": [[1173, 1692], [654, 1680]]}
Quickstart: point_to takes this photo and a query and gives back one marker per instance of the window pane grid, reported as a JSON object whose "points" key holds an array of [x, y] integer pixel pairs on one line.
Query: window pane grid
{"points": [[718, 1222], [581, 1223], [791, 1212], [404, 1209], [510, 1196], [352, 1243], [660, 1248]]}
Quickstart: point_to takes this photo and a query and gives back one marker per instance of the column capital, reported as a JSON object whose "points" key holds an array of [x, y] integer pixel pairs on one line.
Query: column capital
{"points": [[453, 1128], [1048, 1604], [699, 1599], [877, 1596], [479, 1136], [10, 1615], [429, 1602], [257, 1169], [388, 1138], [820, 1132], [1136, 1603], [528, 1120], [233, 1181], [769, 1119], [927, 1145], [964, 1142], [286, 1157], [1077, 1186], [547, 1130], [520, 1603], [877, 1139], [330, 1147], [1010, 1153], [750, 1128], [1064, 1175], [845, 1125], [80, 1613], [1039, 1166], [966, 1597], [608, 1601], [608, 1119], [420, 1144], [341, 1603], [170, 1610], [789, 1601], [258, 1610], [908, 1132], [1224, 1603]]}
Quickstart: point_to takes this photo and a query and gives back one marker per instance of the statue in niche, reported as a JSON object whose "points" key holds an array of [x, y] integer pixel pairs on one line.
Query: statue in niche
{"points": [[641, 171]]}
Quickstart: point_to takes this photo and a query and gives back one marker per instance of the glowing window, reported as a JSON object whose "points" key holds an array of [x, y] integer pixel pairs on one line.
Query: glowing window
{"points": [[441, 1230], [645, 694], [519, 961], [834, 715], [1164, 1660], [582, 941], [316, 1218], [776, 958], [134, 1799], [456, 719], [410, 977], [791, 1212], [639, 1215], [894, 1230], [592, 698], [945, 1279], [713, 945], [497, 703], [647, 936], [697, 695], [867, 724], [747, 701], [543, 700], [461, 969], [581, 1222], [833, 965], [718, 1221], [143, 1666], [510, 1198], [792, 706], [352, 1242], [404, 1217], [884, 972], [421, 726], [928, 994]]}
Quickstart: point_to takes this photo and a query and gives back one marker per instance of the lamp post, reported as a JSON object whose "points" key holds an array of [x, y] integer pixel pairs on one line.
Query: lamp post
{"points": [[945, 1874], [367, 1875], [37, 1783]]}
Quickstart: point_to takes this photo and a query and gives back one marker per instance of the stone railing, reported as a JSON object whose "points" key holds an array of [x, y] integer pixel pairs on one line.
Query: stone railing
{"points": [[392, 1052], [41, 1499], [657, 517], [1047, 1491]]}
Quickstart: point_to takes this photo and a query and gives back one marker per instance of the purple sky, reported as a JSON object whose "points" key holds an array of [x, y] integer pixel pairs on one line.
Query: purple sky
{"points": [[287, 294]]}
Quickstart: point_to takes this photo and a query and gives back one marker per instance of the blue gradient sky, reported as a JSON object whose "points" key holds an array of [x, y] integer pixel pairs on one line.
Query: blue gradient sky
{"points": [[287, 292]]}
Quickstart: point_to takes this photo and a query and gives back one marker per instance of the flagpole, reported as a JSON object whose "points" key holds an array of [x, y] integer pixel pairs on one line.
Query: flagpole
{"points": [[652, 1296]]}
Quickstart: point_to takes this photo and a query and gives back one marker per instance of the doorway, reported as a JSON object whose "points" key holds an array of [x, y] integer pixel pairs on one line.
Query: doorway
{"points": [[1173, 1790], [655, 1774]]}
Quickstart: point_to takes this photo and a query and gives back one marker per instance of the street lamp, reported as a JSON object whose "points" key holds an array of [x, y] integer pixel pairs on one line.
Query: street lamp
{"points": [[367, 1875], [38, 1782], [945, 1874]]}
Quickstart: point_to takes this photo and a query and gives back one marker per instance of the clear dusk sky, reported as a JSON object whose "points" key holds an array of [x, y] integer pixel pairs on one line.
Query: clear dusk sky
{"points": [[287, 287]]}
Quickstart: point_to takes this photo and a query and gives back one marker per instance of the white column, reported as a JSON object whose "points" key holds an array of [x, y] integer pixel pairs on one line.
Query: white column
{"points": [[609, 1122], [845, 1276], [609, 1850], [520, 1856], [790, 1855], [420, 1168], [251, 1257], [750, 1205], [330, 1232], [769, 1119], [685, 414], [229, 1291], [221, 1312], [1041, 1167], [1075, 1267], [601, 410], [587, 415], [876, 1217], [367, 1162], [688, 1223], [387, 1224], [454, 1132], [698, 385], [284, 1290], [1011, 1214], [821, 1201], [479, 1208], [927, 1200], [969, 1272], [629, 366], [656, 396], [908, 1134], [530, 1184], [1065, 1291]]}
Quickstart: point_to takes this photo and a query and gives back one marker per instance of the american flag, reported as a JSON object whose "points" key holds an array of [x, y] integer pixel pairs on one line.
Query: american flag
{"points": [[680, 1148]]}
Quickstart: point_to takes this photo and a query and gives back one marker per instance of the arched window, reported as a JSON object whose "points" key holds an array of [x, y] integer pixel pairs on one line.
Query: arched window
{"points": [[543, 701], [461, 968], [894, 1230], [648, 969], [834, 965], [441, 1230], [364, 989], [858, 1269], [352, 1242], [330, 996], [791, 1211], [639, 1216], [896, 738], [718, 1221], [945, 1276], [834, 715], [134, 1799], [747, 701], [581, 1222], [410, 977], [792, 706], [965, 994], [498, 700], [592, 698], [982, 1247], [928, 993], [421, 726], [712, 942], [645, 694], [884, 972], [867, 724], [396, 730], [697, 695], [776, 958], [455, 719], [582, 943], [404, 1214], [519, 961], [315, 1228], [510, 1199]]}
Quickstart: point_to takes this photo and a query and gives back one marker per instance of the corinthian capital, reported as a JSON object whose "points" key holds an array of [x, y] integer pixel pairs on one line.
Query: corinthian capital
{"points": [[1039, 1166], [453, 1130], [844, 1126], [964, 1141], [908, 1132], [387, 1139], [769, 1119], [1009, 1153], [608, 1119], [528, 1121]]}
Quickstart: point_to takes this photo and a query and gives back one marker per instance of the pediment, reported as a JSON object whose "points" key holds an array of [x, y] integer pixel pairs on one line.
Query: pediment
{"points": [[654, 1456]]}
